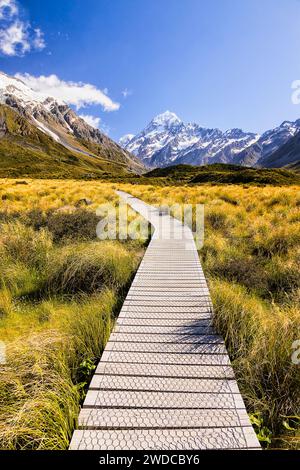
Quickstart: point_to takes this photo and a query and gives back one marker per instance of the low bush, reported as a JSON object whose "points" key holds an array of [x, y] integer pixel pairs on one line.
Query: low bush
{"points": [[216, 219], [89, 267], [79, 224], [276, 241], [64, 224], [24, 244]]}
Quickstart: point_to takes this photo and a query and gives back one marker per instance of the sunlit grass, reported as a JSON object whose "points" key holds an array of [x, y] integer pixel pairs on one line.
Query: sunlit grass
{"points": [[251, 258], [60, 289]]}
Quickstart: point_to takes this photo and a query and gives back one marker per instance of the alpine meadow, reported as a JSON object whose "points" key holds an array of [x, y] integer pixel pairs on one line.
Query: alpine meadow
{"points": [[55, 276]]}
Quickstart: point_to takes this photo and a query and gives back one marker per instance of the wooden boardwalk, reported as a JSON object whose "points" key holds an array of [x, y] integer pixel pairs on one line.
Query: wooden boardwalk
{"points": [[165, 380]]}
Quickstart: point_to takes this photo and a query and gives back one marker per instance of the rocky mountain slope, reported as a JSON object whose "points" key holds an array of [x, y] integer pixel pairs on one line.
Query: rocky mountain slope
{"points": [[288, 155], [27, 151], [169, 141], [66, 132], [268, 144]]}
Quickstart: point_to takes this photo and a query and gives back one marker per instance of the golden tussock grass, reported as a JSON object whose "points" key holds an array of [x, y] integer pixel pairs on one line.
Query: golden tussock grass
{"points": [[251, 258], [60, 289]]}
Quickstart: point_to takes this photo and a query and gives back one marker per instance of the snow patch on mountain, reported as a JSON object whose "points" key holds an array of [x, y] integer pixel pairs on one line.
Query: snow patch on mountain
{"points": [[45, 129], [165, 120], [125, 139]]}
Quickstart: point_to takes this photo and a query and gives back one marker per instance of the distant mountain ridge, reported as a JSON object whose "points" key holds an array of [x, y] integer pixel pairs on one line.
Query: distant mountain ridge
{"points": [[166, 141], [287, 155], [270, 141], [62, 125]]}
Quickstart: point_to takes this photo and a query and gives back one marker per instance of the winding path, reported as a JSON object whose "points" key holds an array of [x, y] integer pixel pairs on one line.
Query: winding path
{"points": [[165, 380]]}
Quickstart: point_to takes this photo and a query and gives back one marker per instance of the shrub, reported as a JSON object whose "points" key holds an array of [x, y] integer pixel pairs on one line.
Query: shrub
{"points": [[65, 224], [35, 218], [276, 242], [88, 268], [243, 270], [283, 276], [216, 219], [24, 244], [74, 225]]}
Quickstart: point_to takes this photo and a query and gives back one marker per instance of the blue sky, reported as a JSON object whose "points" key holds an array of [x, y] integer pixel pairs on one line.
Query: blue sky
{"points": [[221, 63]]}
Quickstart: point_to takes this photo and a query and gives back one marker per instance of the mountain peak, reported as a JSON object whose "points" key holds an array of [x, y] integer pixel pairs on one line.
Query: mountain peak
{"points": [[166, 119], [123, 141], [287, 124]]}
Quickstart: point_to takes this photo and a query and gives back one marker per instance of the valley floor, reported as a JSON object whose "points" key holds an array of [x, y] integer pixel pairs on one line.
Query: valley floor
{"points": [[61, 289]]}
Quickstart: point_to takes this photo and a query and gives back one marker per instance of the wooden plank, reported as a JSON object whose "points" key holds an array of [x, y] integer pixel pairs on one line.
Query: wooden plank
{"points": [[159, 439], [130, 418]]}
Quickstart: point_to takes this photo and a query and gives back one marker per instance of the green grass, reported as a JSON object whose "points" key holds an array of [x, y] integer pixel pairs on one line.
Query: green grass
{"points": [[58, 302], [49, 367], [219, 173]]}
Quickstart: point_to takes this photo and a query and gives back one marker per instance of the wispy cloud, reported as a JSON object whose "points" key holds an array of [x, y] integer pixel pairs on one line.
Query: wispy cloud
{"points": [[77, 94], [16, 35], [126, 93], [38, 40], [95, 122], [91, 120]]}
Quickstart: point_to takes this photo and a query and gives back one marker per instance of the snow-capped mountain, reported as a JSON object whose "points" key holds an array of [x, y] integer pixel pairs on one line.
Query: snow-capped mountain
{"points": [[169, 141], [125, 139], [61, 123]]}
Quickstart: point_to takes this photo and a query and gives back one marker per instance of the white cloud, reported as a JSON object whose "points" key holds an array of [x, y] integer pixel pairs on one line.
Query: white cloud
{"points": [[17, 36], [77, 94], [95, 122], [13, 39], [8, 8], [91, 120], [126, 93], [38, 40]]}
